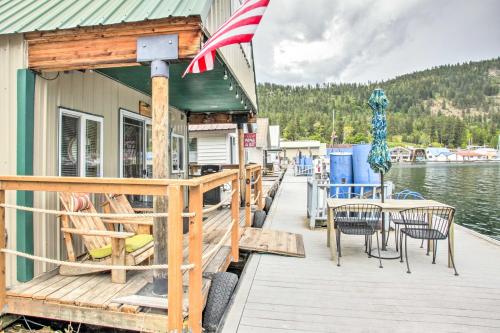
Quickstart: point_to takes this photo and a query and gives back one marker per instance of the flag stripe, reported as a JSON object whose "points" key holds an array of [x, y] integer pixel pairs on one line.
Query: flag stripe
{"points": [[239, 28]]}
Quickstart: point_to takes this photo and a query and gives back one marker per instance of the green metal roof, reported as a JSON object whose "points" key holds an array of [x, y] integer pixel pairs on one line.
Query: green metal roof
{"points": [[18, 16]]}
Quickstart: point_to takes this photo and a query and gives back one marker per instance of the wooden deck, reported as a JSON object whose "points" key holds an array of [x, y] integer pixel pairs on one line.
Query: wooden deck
{"points": [[91, 298], [283, 294]]}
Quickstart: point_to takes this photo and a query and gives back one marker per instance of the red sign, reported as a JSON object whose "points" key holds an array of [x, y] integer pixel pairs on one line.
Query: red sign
{"points": [[250, 140]]}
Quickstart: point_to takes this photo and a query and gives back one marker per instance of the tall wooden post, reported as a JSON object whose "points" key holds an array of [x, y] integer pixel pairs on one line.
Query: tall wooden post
{"points": [[241, 161], [161, 146]]}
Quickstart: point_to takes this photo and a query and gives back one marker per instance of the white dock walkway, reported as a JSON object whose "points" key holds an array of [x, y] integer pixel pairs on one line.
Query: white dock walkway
{"points": [[281, 294]]}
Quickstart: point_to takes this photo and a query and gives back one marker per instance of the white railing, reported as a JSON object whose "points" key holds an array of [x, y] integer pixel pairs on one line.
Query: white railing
{"points": [[318, 191], [303, 170]]}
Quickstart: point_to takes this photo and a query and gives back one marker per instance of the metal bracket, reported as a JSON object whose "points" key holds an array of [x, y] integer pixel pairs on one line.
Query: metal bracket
{"points": [[160, 47]]}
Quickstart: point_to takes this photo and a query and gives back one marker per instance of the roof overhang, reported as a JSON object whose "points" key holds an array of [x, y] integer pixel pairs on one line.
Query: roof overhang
{"points": [[203, 94], [212, 97]]}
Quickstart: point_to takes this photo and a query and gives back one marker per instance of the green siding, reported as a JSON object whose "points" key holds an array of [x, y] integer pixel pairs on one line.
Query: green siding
{"points": [[25, 128]]}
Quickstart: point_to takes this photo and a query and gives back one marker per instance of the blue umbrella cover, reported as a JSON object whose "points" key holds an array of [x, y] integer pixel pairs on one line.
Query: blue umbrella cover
{"points": [[379, 157]]}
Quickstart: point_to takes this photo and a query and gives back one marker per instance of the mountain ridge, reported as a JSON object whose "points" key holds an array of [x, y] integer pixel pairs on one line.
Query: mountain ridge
{"points": [[449, 105]]}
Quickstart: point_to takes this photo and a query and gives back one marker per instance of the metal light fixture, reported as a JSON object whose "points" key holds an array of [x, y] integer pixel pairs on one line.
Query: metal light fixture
{"points": [[225, 75], [237, 95], [241, 102], [231, 87]]}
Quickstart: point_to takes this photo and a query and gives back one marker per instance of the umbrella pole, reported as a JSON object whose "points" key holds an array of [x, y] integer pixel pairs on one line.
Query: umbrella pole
{"points": [[382, 195]]}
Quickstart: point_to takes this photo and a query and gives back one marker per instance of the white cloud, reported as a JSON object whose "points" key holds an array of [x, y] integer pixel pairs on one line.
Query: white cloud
{"points": [[352, 41]]}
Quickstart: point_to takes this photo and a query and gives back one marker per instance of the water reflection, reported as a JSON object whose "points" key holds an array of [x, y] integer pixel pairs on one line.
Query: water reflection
{"points": [[472, 188]]}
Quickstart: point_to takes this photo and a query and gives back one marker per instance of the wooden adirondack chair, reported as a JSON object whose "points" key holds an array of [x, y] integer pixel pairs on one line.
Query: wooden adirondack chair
{"points": [[119, 204], [98, 240]]}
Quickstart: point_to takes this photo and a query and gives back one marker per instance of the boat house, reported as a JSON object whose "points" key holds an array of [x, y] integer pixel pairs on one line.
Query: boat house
{"points": [[84, 93]]}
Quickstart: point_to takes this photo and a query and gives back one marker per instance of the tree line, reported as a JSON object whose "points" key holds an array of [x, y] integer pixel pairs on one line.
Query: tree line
{"points": [[450, 105]]}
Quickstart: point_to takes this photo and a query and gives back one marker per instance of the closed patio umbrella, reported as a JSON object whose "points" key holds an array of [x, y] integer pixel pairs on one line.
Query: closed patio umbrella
{"points": [[379, 157]]}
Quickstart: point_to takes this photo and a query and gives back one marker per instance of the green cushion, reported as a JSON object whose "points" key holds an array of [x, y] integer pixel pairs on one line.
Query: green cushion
{"points": [[131, 244]]}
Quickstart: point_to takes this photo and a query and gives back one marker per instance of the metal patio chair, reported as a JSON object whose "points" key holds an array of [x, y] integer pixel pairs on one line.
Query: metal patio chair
{"points": [[397, 219], [434, 225], [358, 219]]}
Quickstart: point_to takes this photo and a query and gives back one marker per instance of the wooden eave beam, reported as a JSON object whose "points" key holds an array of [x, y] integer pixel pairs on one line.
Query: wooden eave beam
{"points": [[217, 118], [106, 46]]}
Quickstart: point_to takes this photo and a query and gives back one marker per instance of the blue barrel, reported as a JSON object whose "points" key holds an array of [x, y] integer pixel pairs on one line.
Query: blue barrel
{"points": [[340, 173], [362, 172]]}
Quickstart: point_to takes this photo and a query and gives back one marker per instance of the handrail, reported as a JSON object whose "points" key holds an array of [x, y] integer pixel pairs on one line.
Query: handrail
{"points": [[319, 190], [122, 185]]}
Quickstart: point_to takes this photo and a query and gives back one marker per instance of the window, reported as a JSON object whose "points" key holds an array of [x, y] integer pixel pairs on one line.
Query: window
{"points": [[177, 153], [233, 153], [80, 144], [193, 150]]}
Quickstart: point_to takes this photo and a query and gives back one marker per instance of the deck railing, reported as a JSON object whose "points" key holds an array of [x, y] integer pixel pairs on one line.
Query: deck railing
{"points": [[303, 170], [173, 190], [318, 191], [253, 191]]}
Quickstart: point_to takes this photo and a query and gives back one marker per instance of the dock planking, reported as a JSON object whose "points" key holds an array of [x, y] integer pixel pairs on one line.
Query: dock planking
{"points": [[285, 294]]}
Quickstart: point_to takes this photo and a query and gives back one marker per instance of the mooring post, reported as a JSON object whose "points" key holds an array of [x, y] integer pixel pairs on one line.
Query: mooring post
{"points": [[157, 50], [160, 125]]}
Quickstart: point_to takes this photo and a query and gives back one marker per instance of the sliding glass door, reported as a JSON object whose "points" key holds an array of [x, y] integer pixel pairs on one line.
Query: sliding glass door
{"points": [[136, 154]]}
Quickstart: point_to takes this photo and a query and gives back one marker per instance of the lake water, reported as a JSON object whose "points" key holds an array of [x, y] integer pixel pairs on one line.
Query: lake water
{"points": [[472, 188]]}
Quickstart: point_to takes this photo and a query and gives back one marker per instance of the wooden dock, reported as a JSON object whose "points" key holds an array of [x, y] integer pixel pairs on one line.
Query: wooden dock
{"points": [[94, 299], [284, 294]]}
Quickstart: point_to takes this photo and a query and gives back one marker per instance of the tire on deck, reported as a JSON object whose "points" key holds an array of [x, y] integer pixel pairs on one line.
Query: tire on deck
{"points": [[221, 290], [259, 216], [267, 205]]}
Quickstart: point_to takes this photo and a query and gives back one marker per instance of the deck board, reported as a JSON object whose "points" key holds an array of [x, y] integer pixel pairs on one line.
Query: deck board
{"points": [[312, 294]]}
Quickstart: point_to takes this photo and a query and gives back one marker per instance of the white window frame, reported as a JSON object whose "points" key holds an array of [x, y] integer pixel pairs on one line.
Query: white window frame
{"points": [[183, 150], [83, 117], [136, 116]]}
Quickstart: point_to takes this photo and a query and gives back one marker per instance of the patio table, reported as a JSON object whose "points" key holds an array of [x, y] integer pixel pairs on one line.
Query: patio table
{"points": [[388, 206]]}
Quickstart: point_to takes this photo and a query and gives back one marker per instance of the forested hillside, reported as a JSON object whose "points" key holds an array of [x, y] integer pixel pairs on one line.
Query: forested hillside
{"points": [[449, 105]]}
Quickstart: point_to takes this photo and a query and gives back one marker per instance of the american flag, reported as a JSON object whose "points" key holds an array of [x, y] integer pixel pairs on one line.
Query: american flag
{"points": [[239, 28]]}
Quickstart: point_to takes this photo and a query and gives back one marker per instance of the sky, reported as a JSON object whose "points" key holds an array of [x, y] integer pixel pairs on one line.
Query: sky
{"points": [[317, 41]]}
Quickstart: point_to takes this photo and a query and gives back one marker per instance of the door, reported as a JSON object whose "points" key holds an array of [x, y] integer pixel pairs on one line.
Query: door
{"points": [[136, 154]]}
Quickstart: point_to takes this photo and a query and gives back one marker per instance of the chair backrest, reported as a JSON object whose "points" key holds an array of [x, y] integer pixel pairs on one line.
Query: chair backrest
{"points": [[357, 215], [440, 217], [408, 194], [85, 222], [119, 204], [405, 194]]}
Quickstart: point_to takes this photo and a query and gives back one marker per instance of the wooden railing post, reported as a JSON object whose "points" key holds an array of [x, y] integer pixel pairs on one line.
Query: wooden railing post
{"points": [[258, 187], [175, 248], [3, 282], [195, 258], [248, 197], [235, 215]]}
